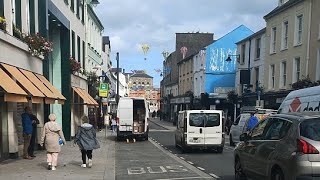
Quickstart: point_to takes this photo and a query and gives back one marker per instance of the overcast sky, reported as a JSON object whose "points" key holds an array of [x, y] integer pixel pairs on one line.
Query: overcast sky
{"points": [[130, 23]]}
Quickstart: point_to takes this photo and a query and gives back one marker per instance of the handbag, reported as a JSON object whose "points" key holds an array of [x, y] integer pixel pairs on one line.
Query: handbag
{"points": [[60, 142]]}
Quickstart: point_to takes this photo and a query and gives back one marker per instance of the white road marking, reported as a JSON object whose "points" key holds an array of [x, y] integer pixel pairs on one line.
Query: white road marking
{"points": [[190, 162], [202, 169], [175, 154], [215, 176], [161, 145], [182, 158], [186, 178], [170, 151]]}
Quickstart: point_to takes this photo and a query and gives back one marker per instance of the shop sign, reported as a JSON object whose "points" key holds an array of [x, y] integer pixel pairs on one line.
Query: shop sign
{"points": [[103, 90]]}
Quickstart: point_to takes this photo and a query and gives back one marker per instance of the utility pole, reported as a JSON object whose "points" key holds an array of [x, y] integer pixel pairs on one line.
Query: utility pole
{"points": [[117, 96]]}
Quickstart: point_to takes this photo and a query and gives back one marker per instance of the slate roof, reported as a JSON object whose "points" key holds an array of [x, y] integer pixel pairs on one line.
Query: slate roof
{"points": [[143, 75], [281, 8]]}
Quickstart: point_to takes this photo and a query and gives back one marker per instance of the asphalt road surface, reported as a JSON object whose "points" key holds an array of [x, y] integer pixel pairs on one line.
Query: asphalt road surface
{"points": [[144, 160], [210, 162]]}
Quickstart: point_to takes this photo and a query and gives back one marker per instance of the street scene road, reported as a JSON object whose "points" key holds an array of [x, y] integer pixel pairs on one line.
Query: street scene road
{"points": [[149, 160], [210, 162]]}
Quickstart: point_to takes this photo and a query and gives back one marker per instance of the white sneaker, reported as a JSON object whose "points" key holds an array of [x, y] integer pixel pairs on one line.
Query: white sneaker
{"points": [[83, 165], [53, 168], [90, 163]]}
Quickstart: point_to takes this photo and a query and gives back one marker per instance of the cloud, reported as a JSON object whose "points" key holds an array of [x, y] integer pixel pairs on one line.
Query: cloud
{"points": [[133, 22]]}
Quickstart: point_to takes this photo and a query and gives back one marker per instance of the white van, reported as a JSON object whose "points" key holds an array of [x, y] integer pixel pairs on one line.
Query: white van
{"points": [[132, 118], [202, 129], [307, 99]]}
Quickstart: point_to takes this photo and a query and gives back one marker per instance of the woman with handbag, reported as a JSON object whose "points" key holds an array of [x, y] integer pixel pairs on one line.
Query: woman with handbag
{"points": [[52, 136], [87, 141]]}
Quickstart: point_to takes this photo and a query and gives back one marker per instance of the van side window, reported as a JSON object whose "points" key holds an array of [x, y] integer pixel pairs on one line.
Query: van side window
{"points": [[237, 121]]}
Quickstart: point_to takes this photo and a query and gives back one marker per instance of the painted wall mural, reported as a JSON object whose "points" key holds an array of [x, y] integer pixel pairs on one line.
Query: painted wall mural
{"points": [[217, 60]]}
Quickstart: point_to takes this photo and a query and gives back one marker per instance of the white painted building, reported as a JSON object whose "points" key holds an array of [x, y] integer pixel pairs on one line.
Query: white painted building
{"points": [[253, 49], [199, 73]]}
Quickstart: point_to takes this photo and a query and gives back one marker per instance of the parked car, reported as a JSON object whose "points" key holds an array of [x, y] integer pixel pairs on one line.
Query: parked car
{"points": [[239, 126], [283, 146]]}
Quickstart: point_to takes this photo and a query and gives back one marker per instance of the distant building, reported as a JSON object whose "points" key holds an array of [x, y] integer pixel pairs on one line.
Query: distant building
{"points": [[140, 81]]}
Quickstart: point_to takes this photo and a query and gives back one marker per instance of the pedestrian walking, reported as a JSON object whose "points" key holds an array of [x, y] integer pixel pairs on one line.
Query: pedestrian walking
{"points": [[35, 122], [87, 141], [27, 131], [114, 125], [51, 135]]}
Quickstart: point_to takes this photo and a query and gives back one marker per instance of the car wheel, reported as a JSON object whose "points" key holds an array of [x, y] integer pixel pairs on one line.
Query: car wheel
{"points": [[238, 171], [231, 140], [219, 149], [277, 174]]}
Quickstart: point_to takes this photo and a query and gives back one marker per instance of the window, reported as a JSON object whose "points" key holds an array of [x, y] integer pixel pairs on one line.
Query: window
{"points": [[204, 119], [73, 44], [72, 5], [283, 75], [310, 129], [257, 76], [273, 40], [78, 9], [296, 68], [272, 80], [83, 55], [299, 27], [277, 129], [1, 8], [243, 53], [79, 49], [67, 2], [258, 131], [258, 47], [285, 35]]}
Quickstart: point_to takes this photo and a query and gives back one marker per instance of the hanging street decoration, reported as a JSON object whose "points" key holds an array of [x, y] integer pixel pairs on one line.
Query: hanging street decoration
{"points": [[145, 49]]}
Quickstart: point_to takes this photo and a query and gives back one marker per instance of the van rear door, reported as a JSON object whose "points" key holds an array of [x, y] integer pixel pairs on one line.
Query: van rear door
{"points": [[125, 114], [213, 131], [195, 128]]}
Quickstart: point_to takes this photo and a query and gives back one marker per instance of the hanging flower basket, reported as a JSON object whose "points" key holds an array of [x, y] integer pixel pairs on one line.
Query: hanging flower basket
{"points": [[74, 65], [3, 24], [38, 45]]}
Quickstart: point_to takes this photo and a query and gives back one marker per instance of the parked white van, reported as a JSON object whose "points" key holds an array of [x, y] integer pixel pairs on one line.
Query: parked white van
{"points": [[307, 99], [132, 118], [203, 129]]}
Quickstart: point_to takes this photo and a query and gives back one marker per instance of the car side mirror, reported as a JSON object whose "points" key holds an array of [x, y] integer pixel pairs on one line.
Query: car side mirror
{"points": [[244, 137]]}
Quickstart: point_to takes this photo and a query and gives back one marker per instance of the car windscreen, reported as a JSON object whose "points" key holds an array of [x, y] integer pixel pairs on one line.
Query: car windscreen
{"points": [[311, 129], [204, 119]]}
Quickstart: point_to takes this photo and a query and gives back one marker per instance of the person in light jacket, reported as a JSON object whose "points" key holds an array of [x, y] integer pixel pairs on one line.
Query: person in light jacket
{"points": [[87, 141], [50, 136]]}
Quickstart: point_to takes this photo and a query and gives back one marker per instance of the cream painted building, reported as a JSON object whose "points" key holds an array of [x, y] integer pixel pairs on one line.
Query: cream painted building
{"points": [[314, 65], [186, 75]]}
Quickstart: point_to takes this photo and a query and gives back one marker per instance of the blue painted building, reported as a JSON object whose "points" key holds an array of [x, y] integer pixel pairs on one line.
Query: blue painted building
{"points": [[220, 74]]}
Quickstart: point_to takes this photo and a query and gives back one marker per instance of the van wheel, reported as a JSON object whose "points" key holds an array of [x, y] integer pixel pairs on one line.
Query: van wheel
{"points": [[231, 140], [277, 174], [219, 149], [238, 171], [146, 138]]}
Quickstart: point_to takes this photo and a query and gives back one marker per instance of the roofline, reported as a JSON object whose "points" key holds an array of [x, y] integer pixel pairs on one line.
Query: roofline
{"points": [[253, 35], [188, 58], [282, 8], [95, 17], [196, 33], [231, 32]]}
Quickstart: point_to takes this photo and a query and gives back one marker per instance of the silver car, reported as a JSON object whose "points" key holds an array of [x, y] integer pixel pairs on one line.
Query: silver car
{"points": [[283, 146]]}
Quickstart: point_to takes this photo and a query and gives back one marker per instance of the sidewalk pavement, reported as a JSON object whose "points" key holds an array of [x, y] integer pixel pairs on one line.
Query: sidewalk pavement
{"points": [[69, 162], [164, 124]]}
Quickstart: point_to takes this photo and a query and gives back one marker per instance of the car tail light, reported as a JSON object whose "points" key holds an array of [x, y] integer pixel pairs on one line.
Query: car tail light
{"points": [[305, 147]]}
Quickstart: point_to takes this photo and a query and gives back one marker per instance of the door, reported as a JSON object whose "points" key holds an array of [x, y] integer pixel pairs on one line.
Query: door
{"points": [[195, 124], [213, 129], [179, 130], [125, 114]]}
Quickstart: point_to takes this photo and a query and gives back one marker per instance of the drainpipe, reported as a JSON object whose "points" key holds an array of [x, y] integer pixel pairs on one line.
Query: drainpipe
{"points": [[308, 42]]}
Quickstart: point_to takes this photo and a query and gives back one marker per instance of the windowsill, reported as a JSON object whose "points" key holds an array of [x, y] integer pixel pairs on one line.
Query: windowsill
{"points": [[271, 53], [257, 59], [284, 49], [297, 45]]}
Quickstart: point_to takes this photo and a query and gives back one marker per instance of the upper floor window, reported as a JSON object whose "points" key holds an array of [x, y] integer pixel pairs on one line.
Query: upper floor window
{"points": [[299, 28], [243, 53], [258, 48], [296, 68], [72, 5], [273, 40], [283, 75], [285, 28], [272, 76]]}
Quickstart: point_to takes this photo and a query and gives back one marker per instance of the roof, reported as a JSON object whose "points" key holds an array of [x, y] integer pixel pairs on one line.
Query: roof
{"points": [[241, 26], [253, 35], [282, 8], [143, 75], [299, 116], [95, 17]]}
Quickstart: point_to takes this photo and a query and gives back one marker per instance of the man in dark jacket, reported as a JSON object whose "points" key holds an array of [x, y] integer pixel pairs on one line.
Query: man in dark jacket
{"points": [[27, 131], [86, 140]]}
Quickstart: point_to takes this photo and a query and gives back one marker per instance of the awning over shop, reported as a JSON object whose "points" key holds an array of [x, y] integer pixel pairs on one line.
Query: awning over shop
{"points": [[50, 96], [13, 92], [87, 99], [36, 95], [55, 91]]}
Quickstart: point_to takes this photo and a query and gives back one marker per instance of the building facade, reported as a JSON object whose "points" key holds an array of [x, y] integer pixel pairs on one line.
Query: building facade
{"points": [[251, 57], [140, 80], [287, 57], [314, 65]]}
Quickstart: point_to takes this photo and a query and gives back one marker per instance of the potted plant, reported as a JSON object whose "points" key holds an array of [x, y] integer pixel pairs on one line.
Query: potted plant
{"points": [[74, 65], [3, 24], [38, 45], [17, 33]]}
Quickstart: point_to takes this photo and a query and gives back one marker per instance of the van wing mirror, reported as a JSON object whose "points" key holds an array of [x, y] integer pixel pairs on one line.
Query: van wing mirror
{"points": [[244, 137]]}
